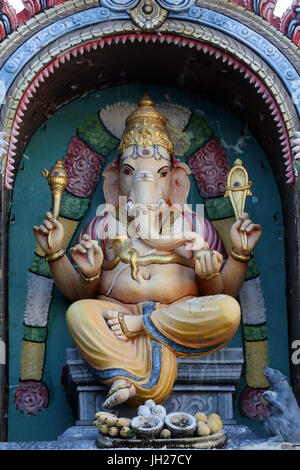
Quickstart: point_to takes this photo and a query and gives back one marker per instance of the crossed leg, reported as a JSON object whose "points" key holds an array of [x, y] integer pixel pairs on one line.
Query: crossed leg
{"points": [[84, 321], [121, 390], [133, 324]]}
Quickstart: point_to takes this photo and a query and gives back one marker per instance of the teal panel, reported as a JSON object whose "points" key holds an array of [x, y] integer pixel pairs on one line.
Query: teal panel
{"points": [[252, 270], [31, 199], [94, 134], [199, 133], [35, 334], [218, 208], [40, 266], [255, 332], [73, 207]]}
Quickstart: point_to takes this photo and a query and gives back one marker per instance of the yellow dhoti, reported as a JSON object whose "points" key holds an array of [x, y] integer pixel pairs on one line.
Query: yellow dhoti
{"points": [[196, 327]]}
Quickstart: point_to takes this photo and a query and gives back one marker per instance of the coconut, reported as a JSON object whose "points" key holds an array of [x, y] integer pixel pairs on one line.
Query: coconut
{"points": [[144, 411], [159, 410]]}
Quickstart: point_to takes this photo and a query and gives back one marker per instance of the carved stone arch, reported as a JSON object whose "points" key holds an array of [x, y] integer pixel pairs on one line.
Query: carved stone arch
{"points": [[49, 44]]}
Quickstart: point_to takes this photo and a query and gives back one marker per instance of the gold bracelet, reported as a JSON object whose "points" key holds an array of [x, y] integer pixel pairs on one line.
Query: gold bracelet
{"points": [[89, 279], [55, 256], [129, 334], [242, 258], [210, 276]]}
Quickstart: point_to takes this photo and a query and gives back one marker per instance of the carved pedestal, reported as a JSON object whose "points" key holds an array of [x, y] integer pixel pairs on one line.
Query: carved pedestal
{"points": [[203, 384]]}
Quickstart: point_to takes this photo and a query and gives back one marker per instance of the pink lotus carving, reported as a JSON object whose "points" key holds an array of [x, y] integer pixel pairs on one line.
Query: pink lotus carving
{"points": [[31, 397], [252, 405]]}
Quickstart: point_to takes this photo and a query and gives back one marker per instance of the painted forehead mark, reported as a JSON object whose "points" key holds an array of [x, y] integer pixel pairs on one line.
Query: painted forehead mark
{"points": [[145, 153]]}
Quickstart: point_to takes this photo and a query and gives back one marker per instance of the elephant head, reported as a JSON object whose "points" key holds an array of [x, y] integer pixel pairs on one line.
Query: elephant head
{"points": [[146, 187], [144, 182]]}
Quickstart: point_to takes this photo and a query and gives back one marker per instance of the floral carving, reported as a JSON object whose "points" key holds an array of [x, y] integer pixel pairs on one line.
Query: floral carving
{"points": [[83, 166], [252, 405], [31, 397], [210, 167]]}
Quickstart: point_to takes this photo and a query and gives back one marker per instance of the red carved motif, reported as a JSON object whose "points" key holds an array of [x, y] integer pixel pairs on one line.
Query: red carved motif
{"points": [[8, 19], [23, 16], [252, 406], [296, 36], [83, 166], [35, 6], [285, 19], [31, 397], [243, 3], [267, 12], [210, 167]]}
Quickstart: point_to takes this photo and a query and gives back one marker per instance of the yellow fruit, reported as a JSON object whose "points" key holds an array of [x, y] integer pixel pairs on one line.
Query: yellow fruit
{"points": [[214, 415], [201, 417], [214, 425], [165, 434], [203, 429], [111, 421], [101, 414], [113, 431], [123, 422], [125, 431], [104, 429]]}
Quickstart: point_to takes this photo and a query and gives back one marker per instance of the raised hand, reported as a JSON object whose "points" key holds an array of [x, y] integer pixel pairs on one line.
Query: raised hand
{"points": [[253, 232], [41, 234], [88, 256]]}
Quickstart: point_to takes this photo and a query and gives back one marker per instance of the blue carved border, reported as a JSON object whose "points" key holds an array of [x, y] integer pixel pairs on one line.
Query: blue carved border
{"points": [[203, 16]]}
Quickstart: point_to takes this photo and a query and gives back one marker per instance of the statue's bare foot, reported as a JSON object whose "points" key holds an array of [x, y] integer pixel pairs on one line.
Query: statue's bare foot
{"points": [[133, 324], [120, 391]]}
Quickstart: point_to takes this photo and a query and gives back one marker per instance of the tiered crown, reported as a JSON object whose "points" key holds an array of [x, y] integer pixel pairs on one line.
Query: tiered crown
{"points": [[146, 127]]}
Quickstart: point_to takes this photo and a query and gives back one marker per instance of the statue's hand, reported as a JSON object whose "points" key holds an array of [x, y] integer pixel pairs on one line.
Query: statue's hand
{"points": [[88, 256], [208, 263], [253, 232], [41, 234]]}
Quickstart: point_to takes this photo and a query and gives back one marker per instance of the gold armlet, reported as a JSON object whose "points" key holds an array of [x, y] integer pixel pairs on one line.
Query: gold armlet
{"points": [[89, 279], [55, 256], [242, 258], [129, 334]]}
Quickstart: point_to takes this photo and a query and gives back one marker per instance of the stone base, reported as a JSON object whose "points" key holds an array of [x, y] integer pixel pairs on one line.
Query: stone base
{"points": [[204, 383], [236, 436], [84, 438]]}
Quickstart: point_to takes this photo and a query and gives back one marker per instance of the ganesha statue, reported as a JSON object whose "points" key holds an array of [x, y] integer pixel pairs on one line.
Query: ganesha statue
{"points": [[150, 279]]}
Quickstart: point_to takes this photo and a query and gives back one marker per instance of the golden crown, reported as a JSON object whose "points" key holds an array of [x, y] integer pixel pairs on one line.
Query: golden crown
{"points": [[145, 127]]}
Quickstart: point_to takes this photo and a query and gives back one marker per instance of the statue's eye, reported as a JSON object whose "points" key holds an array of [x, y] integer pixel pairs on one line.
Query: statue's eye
{"points": [[127, 171], [164, 173]]}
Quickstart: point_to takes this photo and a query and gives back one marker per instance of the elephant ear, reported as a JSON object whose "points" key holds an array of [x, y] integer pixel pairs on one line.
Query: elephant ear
{"points": [[111, 184], [180, 184]]}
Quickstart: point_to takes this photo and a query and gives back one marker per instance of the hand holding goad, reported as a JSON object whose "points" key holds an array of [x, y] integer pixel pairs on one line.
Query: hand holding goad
{"points": [[253, 232], [88, 256], [41, 234]]}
